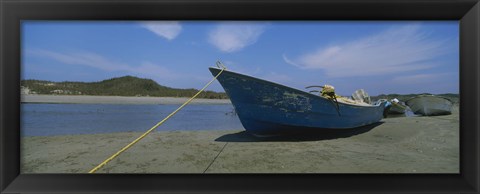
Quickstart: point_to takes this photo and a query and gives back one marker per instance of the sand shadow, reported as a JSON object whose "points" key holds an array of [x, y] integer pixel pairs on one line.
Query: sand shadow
{"points": [[303, 135]]}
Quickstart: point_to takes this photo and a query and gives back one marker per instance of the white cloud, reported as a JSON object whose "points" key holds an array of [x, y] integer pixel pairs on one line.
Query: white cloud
{"points": [[103, 63], [234, 36], [391, 51], [81, 58], [165, 29]]}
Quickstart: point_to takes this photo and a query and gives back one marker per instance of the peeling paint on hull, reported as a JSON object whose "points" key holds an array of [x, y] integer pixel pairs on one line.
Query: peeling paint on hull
{"points": [[265, 107]]}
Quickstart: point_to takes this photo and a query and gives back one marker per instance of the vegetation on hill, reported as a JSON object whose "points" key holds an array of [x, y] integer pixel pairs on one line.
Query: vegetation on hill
{"points": [[134, 86], [121, 86]]}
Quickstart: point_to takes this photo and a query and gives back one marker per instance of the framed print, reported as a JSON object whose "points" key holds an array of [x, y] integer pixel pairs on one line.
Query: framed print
{"points": [[199, 96]]}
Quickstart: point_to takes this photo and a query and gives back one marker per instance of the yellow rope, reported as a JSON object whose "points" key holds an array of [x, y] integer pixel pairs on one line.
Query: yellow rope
{"points": [[151, 129]]}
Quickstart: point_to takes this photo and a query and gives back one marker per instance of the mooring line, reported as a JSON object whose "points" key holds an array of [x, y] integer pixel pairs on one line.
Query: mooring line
{"points": [[154, 127], [215, 157]]}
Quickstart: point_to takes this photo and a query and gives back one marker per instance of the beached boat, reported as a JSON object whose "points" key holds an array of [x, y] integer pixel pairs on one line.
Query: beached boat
{"points": [[397, 107], [430, 105], [267, 108]]}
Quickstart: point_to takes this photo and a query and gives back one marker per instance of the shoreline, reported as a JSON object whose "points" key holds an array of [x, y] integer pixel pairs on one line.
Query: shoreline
{"points": [[395, 145], [67, 99]]}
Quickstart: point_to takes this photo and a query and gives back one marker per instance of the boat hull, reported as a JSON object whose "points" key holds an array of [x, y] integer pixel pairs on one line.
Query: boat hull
{"points": [[397, 109], [430, 105], [266, 108]]}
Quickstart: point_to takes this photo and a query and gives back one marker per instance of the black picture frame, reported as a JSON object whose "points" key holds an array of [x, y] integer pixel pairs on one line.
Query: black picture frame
{"points": [[12, 12]]}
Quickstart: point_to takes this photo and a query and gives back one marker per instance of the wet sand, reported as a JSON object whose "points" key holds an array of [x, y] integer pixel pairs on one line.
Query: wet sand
{"points": [[395, 145], [115, 100]]}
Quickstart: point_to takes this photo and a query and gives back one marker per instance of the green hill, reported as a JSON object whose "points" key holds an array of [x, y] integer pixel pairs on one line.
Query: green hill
{"points": [[121, 86], [134, 86]]}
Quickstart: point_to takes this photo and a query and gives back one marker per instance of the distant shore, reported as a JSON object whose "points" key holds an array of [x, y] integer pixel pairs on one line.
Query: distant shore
{"points": [[67, 99]]}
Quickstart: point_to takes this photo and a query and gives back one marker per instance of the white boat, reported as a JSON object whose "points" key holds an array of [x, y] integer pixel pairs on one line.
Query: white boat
{"points": [[397, 107], [430, 105]]}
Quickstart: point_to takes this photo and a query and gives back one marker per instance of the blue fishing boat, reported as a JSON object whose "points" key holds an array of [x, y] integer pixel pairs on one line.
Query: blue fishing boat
{"points": [[268, 108]]}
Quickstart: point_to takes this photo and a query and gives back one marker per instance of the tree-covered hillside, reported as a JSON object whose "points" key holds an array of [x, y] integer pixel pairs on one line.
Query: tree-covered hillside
{"points": [[134, 86], [121, 86]]}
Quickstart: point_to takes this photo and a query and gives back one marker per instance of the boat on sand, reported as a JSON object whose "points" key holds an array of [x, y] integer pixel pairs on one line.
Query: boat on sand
{"points": [[397, 107], [430, 105], [268, 108]]}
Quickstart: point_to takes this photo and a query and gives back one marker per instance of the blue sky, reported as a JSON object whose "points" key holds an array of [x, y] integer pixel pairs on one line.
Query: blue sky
{"points": [[380, 57]]}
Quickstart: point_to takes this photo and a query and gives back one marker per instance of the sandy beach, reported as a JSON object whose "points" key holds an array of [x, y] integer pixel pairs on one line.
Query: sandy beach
{"points": [[395, 145], [66, 99]]}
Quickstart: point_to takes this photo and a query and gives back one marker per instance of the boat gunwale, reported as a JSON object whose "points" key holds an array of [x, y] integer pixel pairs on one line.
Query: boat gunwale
{"points": [[295, 89]]}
